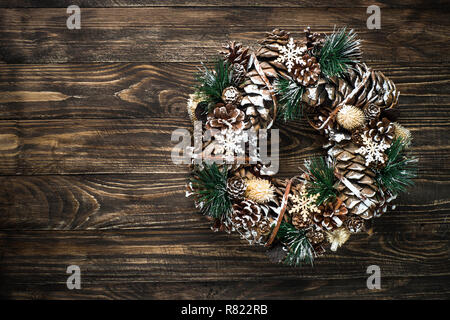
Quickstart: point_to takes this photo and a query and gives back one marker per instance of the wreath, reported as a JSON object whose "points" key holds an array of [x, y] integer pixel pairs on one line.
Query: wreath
{"points": [[321, 78]]}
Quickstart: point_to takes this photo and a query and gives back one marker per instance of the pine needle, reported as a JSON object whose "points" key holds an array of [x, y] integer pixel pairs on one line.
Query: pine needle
{"points": [[210, 187], [399, 171], [290, 94], [340, 50], [211, 83], [322, 179], [300, 249]]}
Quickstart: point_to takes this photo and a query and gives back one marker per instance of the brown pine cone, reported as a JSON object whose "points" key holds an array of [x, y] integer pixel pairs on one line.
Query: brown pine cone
{"points": [[307, 71], [354, 224], [269, 52], [236, 188], [371, 111], [382, 131], [331, 215], [249, 220], [357, 136], [351, 166], [378, 89], [313, 40], [301, 221], [225, 117], [249, 171], [315, 236], [231, 95], [276, 36], [235, 53]]}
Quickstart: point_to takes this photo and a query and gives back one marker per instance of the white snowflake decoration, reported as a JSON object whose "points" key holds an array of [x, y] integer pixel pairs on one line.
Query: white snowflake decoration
{"points": [[230, 143], [304, 203], [290, 54], [372, 151]]}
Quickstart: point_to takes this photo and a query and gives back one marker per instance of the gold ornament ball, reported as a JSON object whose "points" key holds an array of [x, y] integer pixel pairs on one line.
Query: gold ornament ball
{"points": [[350, 117]]}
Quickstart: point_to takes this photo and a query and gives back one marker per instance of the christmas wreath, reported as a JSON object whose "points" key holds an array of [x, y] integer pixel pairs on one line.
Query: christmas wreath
{"points": [[366, 162]]}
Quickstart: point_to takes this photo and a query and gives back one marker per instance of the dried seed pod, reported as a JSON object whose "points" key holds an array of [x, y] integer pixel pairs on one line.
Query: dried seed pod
{"points": [[350, 117]]}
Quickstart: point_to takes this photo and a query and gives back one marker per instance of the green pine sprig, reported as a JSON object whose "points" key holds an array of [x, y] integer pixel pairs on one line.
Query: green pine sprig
{"points": [[210, 187], [340, 50], [300, 250], [400, 169], [212, 82], [321, 179], [290, 95]]}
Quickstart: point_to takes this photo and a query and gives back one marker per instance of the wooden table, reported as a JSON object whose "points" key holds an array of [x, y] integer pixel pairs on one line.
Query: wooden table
{"points": [[86, 178]]}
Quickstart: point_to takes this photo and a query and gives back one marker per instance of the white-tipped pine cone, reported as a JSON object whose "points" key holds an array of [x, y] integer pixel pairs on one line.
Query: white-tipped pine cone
{"points": [[251, 220]]}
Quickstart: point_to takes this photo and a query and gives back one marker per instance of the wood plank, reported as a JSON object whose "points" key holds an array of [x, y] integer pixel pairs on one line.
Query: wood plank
{"points": [[157, 201], [432, 287], [219, 3], [133, 90], [192, 34], [90, 146], [133, 256]]}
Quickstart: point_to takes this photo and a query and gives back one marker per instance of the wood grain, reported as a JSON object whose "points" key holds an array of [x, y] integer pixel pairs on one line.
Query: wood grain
{"points": [[101, 146], [220, 3], [85, 173], [426, 287], [105, 202], [197, 255], [192, 34], [132, 90]]}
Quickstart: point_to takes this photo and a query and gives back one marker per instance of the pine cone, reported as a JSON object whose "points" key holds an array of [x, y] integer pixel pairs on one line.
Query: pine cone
{"points": [[331, 215], [230, 95], [354, 224], [307, 71], [270, 50], [249, 171], [382, 131], [357, 136], [235, 53], [225, 117], [371, 111], [250, 220], [316, 237], [239, 72], [276, 36], [378, 90], [257, 100], [314, 40], [351, 165], [236, 188], [301, 221]]}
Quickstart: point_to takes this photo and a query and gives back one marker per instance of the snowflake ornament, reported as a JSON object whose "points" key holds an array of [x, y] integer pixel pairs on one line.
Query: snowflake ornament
{"points": [[304, 204], [371, 150], [290, 54], [230, 143]]}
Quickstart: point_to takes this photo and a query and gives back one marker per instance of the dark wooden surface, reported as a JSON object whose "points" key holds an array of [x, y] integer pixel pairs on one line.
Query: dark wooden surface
{"points": [[85, 178]]}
